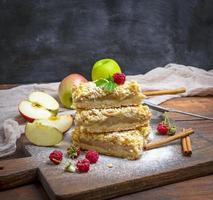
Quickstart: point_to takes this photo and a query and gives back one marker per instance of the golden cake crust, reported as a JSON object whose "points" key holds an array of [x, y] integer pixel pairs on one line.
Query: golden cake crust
{"points": [[88, 95], [129, 143], [112, 119]]}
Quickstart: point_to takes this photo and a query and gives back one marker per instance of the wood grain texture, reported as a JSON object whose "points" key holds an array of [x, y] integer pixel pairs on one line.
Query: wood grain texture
{"points": [[198, 105], [32, 191], [17, 172], [194, 189]]}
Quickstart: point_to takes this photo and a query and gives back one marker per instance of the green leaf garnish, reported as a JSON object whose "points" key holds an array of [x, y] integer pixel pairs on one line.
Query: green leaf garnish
{"points": [[107, 84], [101, 82], [110, 78], [110, 86]]}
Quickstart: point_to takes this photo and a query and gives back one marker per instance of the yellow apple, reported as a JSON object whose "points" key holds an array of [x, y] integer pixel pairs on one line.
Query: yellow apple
{"points": [[65, 88]]}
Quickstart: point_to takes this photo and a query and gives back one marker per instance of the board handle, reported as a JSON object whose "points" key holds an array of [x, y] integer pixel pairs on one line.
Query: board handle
{"points": [[16, 172], [164, 92]]}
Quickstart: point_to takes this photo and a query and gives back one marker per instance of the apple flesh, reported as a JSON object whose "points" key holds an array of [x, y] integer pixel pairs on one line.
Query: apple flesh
{"points": [[42, 135], [105, 68], [44, 100], [60, 122], [40, 105], [32, 111], [66, 87], [48, 132]]}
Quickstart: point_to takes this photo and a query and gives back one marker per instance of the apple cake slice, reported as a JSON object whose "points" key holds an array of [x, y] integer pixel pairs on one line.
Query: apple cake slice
{"points": [[124, 144], [112, 119], [88, 96]]}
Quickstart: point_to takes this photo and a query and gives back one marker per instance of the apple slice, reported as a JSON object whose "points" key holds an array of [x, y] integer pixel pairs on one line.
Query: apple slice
{"points": [[42, 135], [60, 122], [32, 111], [44, 100]]}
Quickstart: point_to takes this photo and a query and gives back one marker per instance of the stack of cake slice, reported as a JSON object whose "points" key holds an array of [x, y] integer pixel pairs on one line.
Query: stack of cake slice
{"points": [[112, 123]]}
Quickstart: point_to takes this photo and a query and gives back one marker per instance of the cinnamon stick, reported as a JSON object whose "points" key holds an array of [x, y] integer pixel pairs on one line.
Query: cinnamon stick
{"points": [[167, 140], [188, 142], [186, 145], [163, 92]]}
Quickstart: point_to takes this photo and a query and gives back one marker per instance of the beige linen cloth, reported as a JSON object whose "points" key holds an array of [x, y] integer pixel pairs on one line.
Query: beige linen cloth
{"points": [[197, 82]]}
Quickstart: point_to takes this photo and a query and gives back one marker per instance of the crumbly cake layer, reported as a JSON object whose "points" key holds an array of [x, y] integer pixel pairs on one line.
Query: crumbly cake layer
{"points": [[124, 144], [88, 96], [112, 119]]}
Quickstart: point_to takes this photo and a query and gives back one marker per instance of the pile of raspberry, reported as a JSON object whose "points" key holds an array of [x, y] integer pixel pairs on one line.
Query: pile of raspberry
{"points": [[73, 152]]}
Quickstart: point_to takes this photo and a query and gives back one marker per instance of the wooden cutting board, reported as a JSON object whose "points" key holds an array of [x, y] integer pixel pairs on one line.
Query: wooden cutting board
{"points": [[156, 167]]}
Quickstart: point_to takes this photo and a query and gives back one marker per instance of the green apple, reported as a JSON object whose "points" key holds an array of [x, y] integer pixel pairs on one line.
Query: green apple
{"points": [[105, 68], [65, 88]]}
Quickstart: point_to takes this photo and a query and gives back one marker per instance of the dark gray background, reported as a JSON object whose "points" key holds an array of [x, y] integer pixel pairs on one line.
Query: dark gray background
{"points": [[43, 41]]}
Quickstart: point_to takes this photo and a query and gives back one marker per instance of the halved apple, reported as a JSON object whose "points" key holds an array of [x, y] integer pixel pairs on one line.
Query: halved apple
{"points": [[44, 100], [32, 111], [48, 132], [39, 106], [60, 122], [42, 135]]}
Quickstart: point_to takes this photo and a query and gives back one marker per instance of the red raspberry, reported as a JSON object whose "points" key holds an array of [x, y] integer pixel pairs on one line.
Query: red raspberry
{"points": [[83, 165], [162, 129], [119, 78], [92, 156], [73, 151], [56, 156]]}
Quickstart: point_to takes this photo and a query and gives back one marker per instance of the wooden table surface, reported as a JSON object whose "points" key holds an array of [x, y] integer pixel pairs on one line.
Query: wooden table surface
{"points": [[199, 188]]}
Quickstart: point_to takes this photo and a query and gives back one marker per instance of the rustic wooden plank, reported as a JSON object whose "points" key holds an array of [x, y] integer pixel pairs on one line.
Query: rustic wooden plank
{"points": [[198, 105], [32, 191], [196, 189], [17, 172], [199, 188], [7, 86]]}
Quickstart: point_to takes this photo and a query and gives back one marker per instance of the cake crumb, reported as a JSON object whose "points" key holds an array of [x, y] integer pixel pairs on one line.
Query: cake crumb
{"points": [[110, 165]]}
